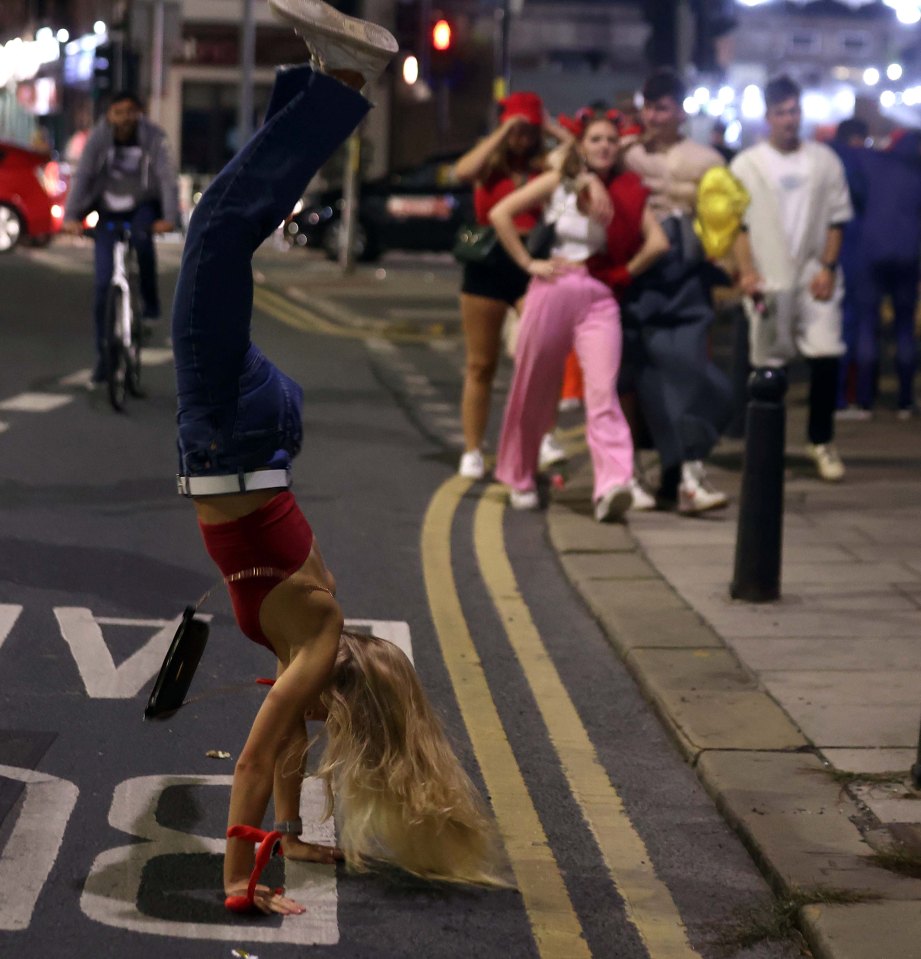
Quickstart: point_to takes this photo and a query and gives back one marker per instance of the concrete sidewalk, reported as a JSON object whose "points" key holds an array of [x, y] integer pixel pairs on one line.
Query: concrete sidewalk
{"points": [[801, 716]]}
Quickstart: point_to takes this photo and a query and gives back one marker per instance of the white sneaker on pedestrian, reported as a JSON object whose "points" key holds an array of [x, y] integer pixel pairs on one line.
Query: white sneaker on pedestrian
{"points": [[551, 452], [906, 413], [827, 461], [472, 465], [643, 500], [856, 413], [337, 41], [523, 499], [696, 494], [612, 505]]}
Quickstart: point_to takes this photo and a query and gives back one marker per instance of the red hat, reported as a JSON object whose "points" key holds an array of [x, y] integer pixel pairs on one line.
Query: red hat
{"points": [[573, 124], [527, 105]]}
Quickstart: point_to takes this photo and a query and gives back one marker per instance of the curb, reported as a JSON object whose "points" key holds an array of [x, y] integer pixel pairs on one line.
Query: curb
{"points": [[762, 773]]}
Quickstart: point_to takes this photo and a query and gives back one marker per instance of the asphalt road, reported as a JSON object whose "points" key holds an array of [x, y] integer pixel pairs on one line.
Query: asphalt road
{"points": [[110, 827]]}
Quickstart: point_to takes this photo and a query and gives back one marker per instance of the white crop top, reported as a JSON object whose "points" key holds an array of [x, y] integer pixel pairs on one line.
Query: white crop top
{"points": [[577, 236]]}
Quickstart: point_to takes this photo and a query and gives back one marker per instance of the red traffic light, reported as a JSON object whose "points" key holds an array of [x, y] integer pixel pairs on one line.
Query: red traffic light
{"points": [[441, 35]]}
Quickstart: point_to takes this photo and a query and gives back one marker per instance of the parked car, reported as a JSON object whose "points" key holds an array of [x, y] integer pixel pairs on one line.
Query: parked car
{"points": [[417, 209], [31, 196]]}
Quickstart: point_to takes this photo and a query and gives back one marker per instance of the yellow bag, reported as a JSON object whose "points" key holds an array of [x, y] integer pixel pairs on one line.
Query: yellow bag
{"points": [[721, 203]]}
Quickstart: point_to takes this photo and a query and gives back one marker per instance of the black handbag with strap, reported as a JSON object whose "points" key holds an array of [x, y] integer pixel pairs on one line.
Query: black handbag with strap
{"points": [[477, 244]]}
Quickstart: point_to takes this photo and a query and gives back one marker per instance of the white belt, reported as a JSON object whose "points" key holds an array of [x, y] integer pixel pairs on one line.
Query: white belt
{"points": [[232, 482]]}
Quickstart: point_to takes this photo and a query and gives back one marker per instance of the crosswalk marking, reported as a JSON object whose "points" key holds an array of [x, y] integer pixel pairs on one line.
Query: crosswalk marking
{"points": [[35, 402]]}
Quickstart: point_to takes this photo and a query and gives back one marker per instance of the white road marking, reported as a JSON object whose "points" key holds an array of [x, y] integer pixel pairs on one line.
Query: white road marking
{"points": [[445, 422], [394, 630], [155, 356], [101, 677], [380, 345], [34, 842], [111, 889], [80, 378], [35, 402], [8, 616]]}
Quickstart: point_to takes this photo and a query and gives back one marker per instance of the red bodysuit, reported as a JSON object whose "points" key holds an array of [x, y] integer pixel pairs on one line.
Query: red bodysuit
{"points": [[276, 535]]}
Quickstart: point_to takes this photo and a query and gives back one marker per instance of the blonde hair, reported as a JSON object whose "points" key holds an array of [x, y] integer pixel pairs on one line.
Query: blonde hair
{"points": [[400, 792]]}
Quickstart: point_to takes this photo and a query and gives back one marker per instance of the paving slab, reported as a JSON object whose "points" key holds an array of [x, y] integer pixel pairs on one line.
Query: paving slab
{"points": [[871, 760], [797, 821], [581, 534], [764, 653], [854, 724], [866, 930], [612, 567], [830, 687]]}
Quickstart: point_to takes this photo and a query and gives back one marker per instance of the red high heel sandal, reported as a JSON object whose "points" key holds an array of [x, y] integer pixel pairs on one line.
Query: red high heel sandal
{"points": [[268, 843]]}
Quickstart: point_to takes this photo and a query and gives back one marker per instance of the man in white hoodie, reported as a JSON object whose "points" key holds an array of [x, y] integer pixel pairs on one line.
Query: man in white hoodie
{"points": [[788, 259]]}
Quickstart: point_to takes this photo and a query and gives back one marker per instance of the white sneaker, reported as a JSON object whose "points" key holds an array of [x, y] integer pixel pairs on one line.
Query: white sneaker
{"points": [[827, 461], [523, 499], [337, 41], [642, 499], [856, 413], [611, 506], [472, 465], [568, 404], [696, 494], [551, 452], [906, 413]]}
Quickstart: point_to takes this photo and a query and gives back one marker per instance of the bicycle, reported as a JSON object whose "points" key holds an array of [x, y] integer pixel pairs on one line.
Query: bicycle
{"points": [[123, 324]]}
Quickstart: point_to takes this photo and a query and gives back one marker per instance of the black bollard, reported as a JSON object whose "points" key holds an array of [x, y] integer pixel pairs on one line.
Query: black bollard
{"points": [[760, 533]]}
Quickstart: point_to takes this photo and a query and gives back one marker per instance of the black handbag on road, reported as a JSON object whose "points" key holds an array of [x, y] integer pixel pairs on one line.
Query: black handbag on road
{"points": [[178, 667]]}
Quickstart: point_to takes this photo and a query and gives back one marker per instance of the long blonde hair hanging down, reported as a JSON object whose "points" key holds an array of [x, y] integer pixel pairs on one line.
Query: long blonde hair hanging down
{"points": [[400, 793]]}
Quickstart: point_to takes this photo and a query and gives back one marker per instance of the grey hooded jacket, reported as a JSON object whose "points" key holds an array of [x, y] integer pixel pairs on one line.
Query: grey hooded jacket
{"points": [[158, 175]]}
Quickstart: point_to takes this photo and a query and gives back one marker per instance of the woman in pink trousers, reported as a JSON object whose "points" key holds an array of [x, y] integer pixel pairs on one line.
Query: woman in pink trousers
{"points": [[565, 307]]}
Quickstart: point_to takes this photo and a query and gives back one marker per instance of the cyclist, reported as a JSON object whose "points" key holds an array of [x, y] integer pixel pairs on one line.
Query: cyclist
{"points": [[126, 174]]}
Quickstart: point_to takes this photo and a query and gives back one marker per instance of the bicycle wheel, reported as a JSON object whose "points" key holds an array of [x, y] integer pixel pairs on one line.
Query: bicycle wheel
{"points": [[117, 359], [137, 335]]}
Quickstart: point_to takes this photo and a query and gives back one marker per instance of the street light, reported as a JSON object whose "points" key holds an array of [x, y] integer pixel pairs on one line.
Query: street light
{"points": [[894, 71], [871, 76]]}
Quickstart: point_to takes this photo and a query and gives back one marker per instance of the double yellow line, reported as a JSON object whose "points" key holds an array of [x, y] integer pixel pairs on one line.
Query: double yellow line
{"points": [[554, 922]]}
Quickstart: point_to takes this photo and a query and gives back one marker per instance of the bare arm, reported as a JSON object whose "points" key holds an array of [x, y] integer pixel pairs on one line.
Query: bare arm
{"points": [[300, 684], [750, 280], [471, 165], [822, 286], [503, 214], [655, 245]]}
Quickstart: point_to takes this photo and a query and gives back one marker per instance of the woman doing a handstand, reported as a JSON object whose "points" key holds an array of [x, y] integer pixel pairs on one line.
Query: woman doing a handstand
{"points": [[400, 792]]}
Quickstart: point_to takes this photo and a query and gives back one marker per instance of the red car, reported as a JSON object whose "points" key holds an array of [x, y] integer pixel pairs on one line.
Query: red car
{"points": [[31, 196]]}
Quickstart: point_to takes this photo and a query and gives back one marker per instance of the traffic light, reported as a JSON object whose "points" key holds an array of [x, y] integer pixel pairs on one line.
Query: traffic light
{"points": [[103, 69], [442, 36]]}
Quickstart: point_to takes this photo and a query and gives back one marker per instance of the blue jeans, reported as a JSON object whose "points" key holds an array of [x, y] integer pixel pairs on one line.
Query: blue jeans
{"points": [[237, 411], [141, 220]]}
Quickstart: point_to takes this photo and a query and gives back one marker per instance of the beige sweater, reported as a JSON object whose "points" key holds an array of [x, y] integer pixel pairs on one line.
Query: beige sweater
{"points": [[673, 174]]}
